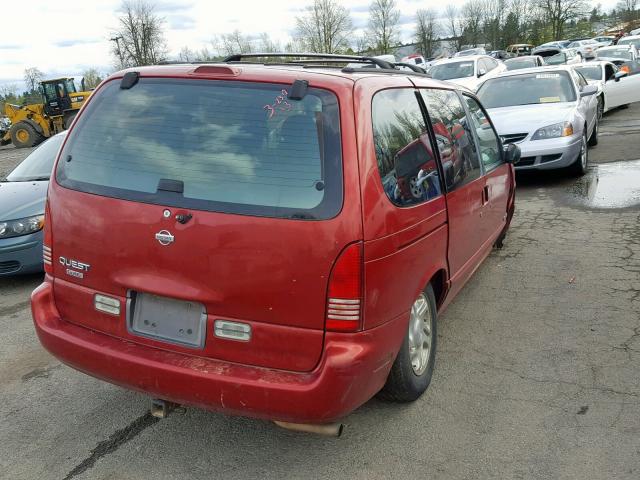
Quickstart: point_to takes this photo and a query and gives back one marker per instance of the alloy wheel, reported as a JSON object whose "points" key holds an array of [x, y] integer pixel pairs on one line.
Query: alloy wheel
{"points": [[420, 334]]}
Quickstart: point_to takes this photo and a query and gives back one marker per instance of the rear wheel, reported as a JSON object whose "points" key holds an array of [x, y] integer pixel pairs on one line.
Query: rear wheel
{"points": [[24, 135], [411, 372], [579, 167]]}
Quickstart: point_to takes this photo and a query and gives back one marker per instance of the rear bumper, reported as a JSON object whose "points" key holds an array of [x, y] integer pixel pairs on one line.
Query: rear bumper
{"points": [[352, 369]]}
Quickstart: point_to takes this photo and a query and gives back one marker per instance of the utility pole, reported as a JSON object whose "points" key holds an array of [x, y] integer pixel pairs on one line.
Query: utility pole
{"points": [[119, 53]]}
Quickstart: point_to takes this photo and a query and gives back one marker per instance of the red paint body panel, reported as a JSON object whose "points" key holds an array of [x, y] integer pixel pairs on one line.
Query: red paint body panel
{"points": [[267, 272], [352, 369]]}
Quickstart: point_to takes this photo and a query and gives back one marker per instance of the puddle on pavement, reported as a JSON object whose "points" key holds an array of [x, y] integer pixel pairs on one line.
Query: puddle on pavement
{"points": [[608, 185]]}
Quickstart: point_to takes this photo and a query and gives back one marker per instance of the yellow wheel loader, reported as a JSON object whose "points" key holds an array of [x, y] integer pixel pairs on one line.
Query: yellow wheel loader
{"points": [[31, 124]]}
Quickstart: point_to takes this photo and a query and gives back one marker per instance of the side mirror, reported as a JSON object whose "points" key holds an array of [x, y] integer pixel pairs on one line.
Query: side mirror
{"points": [[620, 74], [511, 153], [589, 90], [481, 72]]}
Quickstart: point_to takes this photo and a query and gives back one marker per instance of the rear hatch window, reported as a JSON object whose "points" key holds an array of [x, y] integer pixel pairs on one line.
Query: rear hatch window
{"points": [[232, 147]]}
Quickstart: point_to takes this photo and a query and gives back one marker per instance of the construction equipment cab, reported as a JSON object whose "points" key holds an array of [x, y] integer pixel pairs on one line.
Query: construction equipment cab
{"points": [[31, 124]]}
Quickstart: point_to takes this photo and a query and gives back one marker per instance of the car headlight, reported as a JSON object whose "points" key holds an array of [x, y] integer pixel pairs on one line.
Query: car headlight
{"points": [[22, 226], [562, 129]]}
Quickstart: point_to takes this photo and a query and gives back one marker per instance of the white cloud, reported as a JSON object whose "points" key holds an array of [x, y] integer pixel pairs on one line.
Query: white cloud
{"points": [[64, 38]]}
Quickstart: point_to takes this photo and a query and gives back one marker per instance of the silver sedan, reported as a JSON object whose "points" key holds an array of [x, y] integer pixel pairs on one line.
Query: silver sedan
{"points": [[550, 112]]}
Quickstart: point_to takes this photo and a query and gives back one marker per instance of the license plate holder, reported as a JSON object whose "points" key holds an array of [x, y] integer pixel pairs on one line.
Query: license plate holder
{"points": [[167, 319]]}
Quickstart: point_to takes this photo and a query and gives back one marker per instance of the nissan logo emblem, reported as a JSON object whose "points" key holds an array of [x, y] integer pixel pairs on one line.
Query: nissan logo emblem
{"points": [[164, 237]]}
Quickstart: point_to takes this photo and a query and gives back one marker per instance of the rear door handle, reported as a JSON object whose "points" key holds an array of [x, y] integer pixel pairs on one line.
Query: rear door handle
{"points": [[485, 195]]}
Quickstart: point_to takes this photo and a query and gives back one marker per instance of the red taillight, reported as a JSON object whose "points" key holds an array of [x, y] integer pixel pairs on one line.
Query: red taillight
{"points": [[47, 253], [344, 300]]}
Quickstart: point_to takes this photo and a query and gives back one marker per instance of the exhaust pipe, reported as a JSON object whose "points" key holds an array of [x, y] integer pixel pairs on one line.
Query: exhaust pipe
{"points": [[327, 429], [162, 408]]}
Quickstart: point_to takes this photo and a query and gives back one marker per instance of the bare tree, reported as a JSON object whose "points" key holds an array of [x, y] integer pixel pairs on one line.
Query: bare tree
{"points": [[471, 15], [139, 38], [558, 12], [453, 25], [361, 44], [234, 42], [32, 78], [383, 25], [629, 9], [91, 78], [267, 45], [324, 27], [427, 30], [493, 19]]}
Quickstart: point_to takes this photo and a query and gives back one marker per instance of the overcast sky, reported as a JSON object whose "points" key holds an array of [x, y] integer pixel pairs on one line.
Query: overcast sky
{"points": [[65, 38]]}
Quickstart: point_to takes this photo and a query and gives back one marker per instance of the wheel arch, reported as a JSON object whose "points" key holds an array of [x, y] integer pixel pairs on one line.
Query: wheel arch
{"points": [[440, 285]]}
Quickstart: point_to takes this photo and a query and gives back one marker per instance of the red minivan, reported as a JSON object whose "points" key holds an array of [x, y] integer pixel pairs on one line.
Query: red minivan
{"points": [[268, 240]]}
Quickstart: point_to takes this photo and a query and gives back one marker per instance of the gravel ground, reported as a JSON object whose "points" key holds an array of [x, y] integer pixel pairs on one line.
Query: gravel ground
{"points": [[536, 377]]}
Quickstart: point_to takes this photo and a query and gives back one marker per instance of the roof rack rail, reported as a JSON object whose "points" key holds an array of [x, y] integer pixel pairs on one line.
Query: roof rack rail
{"points": [[329, 56]]}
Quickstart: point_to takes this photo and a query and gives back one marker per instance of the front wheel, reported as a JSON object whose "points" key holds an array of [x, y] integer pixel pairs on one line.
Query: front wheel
{"points": [[579, 167], [23, 135], [600, 107], [593, 140], [411, 372]]}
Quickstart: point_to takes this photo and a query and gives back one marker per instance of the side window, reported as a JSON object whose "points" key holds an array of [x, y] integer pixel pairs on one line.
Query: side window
{"points": [[483, 65], [581, 81], [406, 160], [453, 135], [492, 64], [489, 144]]}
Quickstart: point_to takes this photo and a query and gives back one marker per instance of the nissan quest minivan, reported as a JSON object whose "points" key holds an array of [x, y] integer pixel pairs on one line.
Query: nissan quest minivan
{"points": [[268, 240]]}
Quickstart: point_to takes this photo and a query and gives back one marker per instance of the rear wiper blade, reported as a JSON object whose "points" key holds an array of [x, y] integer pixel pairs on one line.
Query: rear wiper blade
{"points": [[301, 216]]}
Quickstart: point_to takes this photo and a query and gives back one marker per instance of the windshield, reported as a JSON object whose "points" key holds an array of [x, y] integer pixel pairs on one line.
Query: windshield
{"points": [[39, 164], [630, 41], [234, 147], [522, 62], [593, 72], [527, 89], [447, 71], [614, 53]]}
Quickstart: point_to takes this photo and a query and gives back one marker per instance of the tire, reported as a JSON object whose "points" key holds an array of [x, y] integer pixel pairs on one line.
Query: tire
{"points": [[622, 107], [581, 164], [23, 135], [593, 140], [600, 107], [68, 119], [409, 377]]}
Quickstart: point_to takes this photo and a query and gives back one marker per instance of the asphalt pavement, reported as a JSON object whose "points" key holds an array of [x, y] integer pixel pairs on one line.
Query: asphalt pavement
{"points": [[536, 373]]}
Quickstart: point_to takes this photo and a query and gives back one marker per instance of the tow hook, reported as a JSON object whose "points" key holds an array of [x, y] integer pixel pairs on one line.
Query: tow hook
{"points": [[162, 408]]}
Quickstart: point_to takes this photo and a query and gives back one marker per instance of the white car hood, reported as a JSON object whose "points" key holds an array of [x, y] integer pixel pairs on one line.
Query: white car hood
{"points": [[528, 118], [469, 82]]}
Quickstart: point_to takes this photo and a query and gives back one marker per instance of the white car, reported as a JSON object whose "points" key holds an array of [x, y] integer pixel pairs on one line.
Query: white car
{"points": [[468, 71], [616, 87], [470, 51], [630, 40], [605, 40], [618, 53], [549, 112], [585, 48]]}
